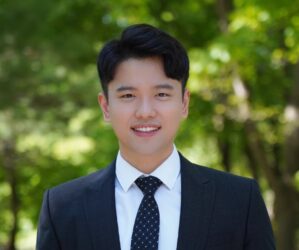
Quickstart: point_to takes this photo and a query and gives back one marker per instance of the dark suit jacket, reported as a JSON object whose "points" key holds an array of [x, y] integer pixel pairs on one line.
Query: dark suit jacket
{"points": [[219, 211]]}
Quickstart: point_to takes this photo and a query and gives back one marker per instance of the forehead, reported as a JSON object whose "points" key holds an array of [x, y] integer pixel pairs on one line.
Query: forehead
{"points": [[136, 66], [141, 71]]}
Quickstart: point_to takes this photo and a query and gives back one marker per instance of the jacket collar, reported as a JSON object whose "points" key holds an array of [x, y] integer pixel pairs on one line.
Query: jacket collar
{"points": [[100, 210], [197, 199]]}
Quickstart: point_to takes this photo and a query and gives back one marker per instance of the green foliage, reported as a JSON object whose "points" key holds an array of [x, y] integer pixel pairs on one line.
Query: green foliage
{"points": [[48, 99]]}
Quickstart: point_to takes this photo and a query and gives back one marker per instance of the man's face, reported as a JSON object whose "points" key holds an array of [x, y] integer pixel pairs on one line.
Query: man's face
{"points": [[144, 107]]}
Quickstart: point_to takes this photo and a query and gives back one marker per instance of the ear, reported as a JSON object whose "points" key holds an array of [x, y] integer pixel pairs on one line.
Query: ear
{"points": [[186, 99], [103, 102]]}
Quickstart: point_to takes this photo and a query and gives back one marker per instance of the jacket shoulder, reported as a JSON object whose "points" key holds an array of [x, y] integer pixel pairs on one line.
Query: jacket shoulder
{"points": [[223, 181], [73, 189]]}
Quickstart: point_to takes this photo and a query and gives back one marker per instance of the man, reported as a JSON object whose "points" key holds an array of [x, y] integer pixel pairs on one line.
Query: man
{"points": [[151, 197]]}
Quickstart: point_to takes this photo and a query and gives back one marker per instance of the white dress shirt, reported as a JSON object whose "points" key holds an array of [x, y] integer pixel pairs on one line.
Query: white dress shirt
{"points": [[168, 196]]}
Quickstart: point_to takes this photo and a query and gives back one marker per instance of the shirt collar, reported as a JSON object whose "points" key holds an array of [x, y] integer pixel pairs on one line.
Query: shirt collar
{"points": [[167, 172]]}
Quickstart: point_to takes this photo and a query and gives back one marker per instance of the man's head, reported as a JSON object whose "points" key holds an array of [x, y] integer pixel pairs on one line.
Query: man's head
{"points": [[143, 75], [142, 41]]}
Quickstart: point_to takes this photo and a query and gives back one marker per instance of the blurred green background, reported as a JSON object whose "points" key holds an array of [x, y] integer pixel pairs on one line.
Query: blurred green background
{"points": [[244, 113]]}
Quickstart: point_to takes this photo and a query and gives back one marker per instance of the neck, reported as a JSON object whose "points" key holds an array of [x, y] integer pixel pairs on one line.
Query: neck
{"points": [[146, 163]]}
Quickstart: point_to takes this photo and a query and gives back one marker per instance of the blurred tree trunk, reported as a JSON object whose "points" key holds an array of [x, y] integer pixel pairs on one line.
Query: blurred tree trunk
{"points": [[280, 178], [9, 156], [224, 147], [287, 197], [280, 175], [286, 217], [252, 164]]}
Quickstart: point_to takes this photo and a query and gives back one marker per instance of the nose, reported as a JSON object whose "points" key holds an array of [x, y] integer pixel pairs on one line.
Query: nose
{"points": [[145, 109]]}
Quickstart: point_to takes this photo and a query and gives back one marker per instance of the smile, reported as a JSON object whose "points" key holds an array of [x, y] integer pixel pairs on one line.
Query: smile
{"points": [[145, 131]]}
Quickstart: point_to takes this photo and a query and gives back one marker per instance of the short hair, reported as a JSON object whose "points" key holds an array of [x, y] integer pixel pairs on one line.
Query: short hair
{"points": [[142, 41]]}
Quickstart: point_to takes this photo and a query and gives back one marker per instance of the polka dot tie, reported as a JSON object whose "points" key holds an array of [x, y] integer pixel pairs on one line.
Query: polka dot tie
{"points": [[146, 228]]}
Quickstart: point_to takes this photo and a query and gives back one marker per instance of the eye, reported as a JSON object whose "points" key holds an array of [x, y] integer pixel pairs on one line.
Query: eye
{"points": [[163, 95], [127, 96]]}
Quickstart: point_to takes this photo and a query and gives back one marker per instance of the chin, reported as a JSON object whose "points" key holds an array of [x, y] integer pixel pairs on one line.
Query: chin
{"points": [[150, 150]]}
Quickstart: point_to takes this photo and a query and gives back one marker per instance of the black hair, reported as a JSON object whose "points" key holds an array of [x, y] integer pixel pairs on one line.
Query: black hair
{"points": [[141, 41]]}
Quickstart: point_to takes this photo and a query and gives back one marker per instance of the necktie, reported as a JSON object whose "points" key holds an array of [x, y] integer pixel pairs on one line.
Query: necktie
{"points": [[146, 228]]}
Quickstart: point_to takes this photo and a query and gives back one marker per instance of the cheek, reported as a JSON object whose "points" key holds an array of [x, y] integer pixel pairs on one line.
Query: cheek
{"points": [[172, 120], [120, 118], [120, 110], [173, 112]]}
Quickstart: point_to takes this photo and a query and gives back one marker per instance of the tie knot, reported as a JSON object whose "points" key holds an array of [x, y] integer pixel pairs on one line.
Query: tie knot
{"points": [[148, 185]]}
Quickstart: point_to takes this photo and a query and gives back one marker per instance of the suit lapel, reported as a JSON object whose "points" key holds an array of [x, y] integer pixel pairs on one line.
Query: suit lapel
{"points": [[196, 208], [101, 212], [197, 199]]}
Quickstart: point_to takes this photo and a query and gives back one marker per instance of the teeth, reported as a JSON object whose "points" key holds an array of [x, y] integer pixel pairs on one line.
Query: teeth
{"points": [[146, 129]]}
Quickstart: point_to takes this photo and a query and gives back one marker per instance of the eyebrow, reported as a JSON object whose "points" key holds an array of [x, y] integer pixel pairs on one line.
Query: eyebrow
{"points": [[159, 86], [164, 86], [124, 88]]}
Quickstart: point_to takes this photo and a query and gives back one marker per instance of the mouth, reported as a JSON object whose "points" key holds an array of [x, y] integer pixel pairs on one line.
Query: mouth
{"points": [[145, 130]]}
